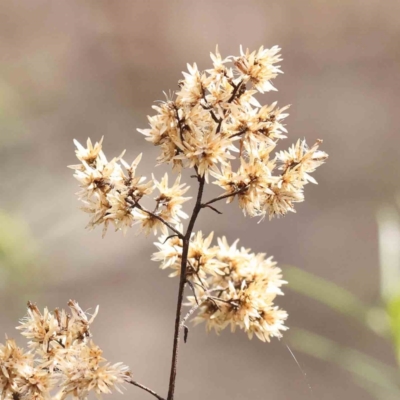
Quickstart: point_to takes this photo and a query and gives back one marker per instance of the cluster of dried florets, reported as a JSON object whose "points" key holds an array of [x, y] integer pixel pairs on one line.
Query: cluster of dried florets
{"points": [[216, 126], [215, 116], [231, 286], [111, 192], [62, 357]]}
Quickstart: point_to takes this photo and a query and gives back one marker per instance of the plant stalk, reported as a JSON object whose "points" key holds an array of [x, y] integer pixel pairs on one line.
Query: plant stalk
{"points": [[182, 282]]}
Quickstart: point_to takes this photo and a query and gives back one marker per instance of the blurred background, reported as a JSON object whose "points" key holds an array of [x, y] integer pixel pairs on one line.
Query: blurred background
{"points": [[73, 69]]}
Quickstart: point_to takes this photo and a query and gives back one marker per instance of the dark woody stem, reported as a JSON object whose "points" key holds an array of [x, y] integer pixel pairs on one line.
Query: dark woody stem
{"points": [[179, 321], [182, 281]]}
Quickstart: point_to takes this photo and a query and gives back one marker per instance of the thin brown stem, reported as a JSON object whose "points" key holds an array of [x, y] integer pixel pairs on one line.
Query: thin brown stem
{"points": [[179, 123], [214, 209], [139, 385], [219, 126], [239, 133], [235, 90], [182, 281], [169, 237], [225, 196], [179, 234], [214, 117], [207, 106], [193, 290]]}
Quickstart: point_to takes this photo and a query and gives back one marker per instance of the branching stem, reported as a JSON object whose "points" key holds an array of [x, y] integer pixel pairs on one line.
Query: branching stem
{"points": [[179, 234], [235, 90], [182, 281], [225, 196]]}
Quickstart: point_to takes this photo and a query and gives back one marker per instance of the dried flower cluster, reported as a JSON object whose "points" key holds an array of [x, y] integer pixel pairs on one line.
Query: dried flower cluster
{"points": [[216, 119], [62, 356], [215, 126], [213, 117], [231, 286], [111, 192]]}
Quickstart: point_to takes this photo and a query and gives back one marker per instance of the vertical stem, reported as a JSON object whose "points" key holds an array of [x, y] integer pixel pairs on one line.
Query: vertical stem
{"points": [[182, 281]]}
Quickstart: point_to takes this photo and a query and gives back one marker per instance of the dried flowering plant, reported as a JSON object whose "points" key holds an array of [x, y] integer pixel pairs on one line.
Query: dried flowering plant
{"points": [[62, 356], [214, 126]]}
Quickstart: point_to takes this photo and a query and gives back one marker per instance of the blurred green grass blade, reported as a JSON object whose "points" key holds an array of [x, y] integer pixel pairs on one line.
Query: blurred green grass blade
{"points": [[388, 220], [360, 365], [378, 392], [326, 292], [393, 310]]}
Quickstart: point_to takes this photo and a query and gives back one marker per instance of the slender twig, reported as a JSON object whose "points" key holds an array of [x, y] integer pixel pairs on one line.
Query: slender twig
{"points": [[225, 196], [214, 209], [230, 302], [200, 280], [239, 133], [219, 125], [192, 311], [139, 385], [185, 250], [214, 117], [235, 90], [169, 237], [200, 285], [193, 290], [209, 107], [179, 123], [179, 234]]}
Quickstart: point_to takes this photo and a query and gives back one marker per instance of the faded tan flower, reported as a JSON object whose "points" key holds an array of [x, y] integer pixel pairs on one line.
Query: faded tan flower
{"points": [[61, 357]]}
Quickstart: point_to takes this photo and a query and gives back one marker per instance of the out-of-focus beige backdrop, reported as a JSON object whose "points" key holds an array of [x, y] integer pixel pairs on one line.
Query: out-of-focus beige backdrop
{"points": [[73, 69]]}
